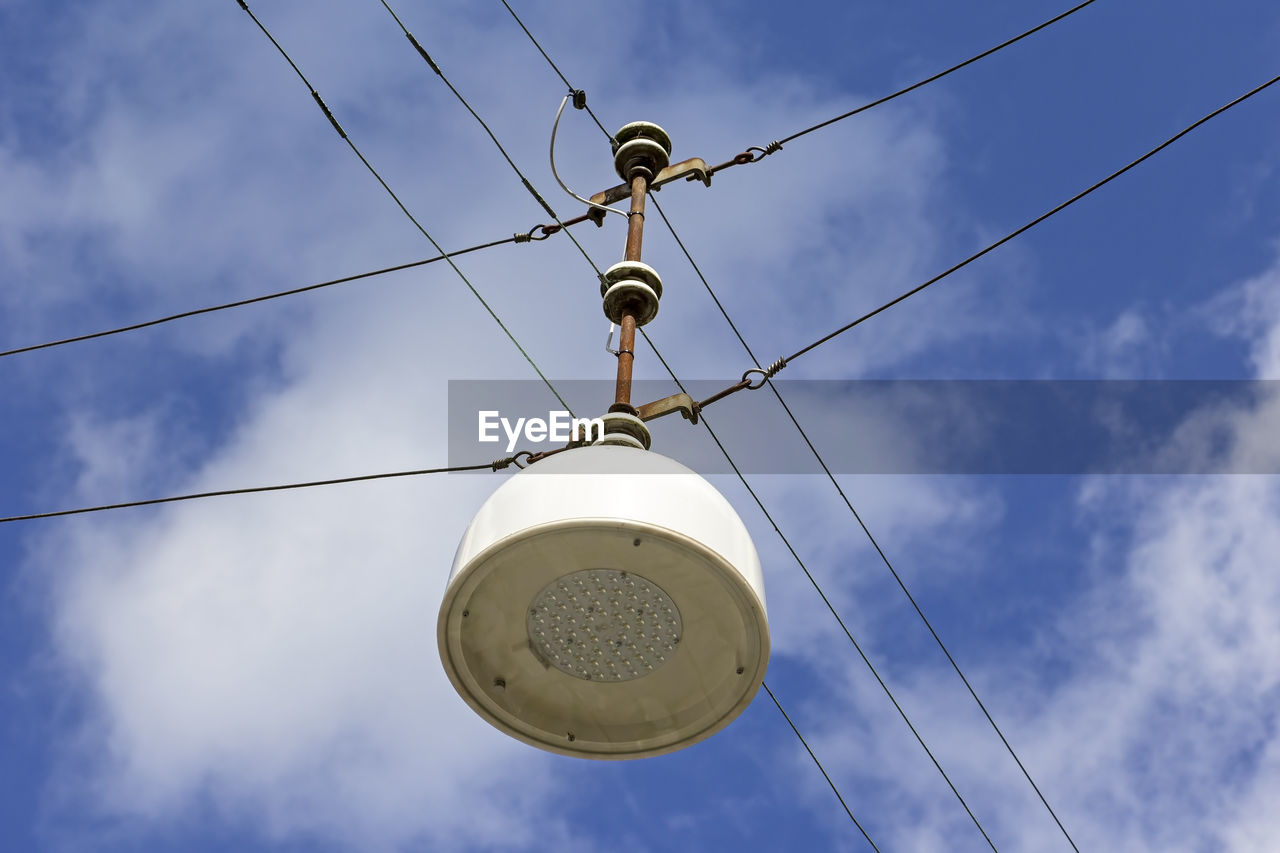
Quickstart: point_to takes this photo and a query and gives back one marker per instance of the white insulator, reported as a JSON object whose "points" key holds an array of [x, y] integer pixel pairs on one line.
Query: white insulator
{"points": [[631, 287], [626, 430], [631, 297], [631, 269], [641, 144], [636, 129]]}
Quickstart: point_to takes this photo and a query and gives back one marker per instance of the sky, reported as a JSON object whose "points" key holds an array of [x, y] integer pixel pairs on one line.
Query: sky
{"points": [[260, 672]]}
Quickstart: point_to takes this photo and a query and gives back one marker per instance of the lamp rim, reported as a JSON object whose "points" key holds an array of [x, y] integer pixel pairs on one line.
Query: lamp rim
{"points": [[469, 578]]}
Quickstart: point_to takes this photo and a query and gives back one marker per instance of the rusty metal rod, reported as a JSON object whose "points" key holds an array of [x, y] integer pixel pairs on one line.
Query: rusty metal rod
{"points": [[626, 358], [635, 220], [627, 338]]}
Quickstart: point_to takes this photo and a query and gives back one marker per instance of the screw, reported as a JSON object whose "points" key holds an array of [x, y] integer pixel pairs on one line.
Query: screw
{"points": [[636, 543], [500, 683], [572, 738], [741, 670], [466, 613]]}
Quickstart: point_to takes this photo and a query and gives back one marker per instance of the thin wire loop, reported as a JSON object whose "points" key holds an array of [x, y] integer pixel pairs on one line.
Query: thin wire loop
{"points": [[554, 128]]}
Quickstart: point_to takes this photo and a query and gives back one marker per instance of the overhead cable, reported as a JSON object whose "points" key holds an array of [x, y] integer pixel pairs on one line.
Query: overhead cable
{"points": [[494, 466], [822, 769], [756, 153], [926, 81], [518, 238], [556, 68], [1041, 218]]}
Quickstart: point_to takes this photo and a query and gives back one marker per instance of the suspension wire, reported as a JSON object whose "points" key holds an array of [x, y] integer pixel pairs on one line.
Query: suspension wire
{"points": [[825, 775], [926, 81], [1041, 218], [355, 150], [555, 68], [254, 300], [825, 600], [494, 466], [528, 186], [872, 539]]}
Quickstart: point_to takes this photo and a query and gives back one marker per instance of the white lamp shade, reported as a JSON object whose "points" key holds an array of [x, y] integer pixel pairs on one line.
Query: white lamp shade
{"points": [[606, 602]]}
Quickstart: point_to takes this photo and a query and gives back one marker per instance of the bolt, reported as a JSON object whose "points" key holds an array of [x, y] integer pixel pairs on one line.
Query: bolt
{"points": [[572, 738], [636, 543]]}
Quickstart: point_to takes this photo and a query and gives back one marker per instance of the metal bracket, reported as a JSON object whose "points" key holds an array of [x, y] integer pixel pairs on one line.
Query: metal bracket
{"points": [[681, 403], [693, 169]]}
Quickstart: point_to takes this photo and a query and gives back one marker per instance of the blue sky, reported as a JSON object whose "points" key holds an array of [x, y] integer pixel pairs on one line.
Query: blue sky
{"points": [[260, 672]]}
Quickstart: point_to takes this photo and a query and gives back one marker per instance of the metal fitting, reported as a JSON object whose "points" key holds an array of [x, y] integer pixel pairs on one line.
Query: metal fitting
{"points": [[641, 148], [631, 287], [625, 431]]}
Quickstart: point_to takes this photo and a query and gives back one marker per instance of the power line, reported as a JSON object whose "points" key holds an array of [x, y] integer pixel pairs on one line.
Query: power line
{"points": [[858, 517], [355, 150], [494, 466], [825, 600], [252, 300], [1041, 218], [926, 81], [821, 769]]}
